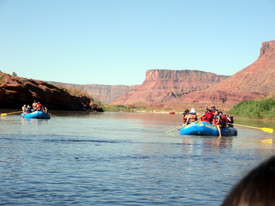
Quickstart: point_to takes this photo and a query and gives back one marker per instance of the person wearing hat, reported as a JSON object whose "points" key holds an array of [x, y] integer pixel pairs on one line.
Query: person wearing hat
{"points": [[213, 109]]}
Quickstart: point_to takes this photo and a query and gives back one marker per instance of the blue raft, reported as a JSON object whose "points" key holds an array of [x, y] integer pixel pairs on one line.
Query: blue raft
{"points": [[37, 115], [205, 128]]}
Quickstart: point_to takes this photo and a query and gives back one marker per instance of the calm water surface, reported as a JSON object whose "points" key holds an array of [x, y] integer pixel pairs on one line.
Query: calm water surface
{"points": [[121, 159]]}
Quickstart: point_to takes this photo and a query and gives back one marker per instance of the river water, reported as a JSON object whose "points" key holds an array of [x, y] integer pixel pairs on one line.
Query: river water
{"points": [[121, 159]]}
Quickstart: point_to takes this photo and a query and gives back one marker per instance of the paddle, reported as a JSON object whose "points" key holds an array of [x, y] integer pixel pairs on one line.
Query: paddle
{"points": [[263, 129], [53, 115], [4, 114], [174, 129]]}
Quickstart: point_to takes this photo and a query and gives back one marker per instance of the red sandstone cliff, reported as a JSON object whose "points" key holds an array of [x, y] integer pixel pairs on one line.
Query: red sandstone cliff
{"points": [[16, 91], [162, 86], [254, 81], [105, 93], [166, 87]]}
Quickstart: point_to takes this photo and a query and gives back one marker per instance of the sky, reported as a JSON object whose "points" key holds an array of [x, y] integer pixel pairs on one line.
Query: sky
{"points": [[114, 42]]}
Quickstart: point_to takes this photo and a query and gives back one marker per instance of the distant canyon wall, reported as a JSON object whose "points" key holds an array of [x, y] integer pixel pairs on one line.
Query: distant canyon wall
{"points": [[165, 86], [172, 87], [253, 82], [105, 93]]}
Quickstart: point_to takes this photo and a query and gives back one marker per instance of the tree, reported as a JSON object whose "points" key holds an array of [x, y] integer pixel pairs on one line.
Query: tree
{"points": [[14, 74]]}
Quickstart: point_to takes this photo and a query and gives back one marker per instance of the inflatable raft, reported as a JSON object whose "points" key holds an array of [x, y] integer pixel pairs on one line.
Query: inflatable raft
{"points": [[205, 128], [37, 115]]}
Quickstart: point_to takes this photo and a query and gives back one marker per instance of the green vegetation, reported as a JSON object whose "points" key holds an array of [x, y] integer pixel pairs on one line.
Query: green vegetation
{"points": [[14, 74], [131, 108], [23, 79], [255, 109], [117, 108]]}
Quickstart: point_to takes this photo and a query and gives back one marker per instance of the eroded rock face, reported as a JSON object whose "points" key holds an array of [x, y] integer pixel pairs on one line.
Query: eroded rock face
{"points": [[174, 87], [16, 91], [254, 81], [105, 93], [163, 86]]}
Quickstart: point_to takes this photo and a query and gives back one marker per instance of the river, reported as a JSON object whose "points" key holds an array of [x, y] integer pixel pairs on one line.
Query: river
{"points": [[85, 158]]}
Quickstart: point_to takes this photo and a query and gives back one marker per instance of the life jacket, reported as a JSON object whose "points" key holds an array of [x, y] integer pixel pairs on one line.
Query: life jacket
{"points": [[46, 110], [215, 119], [29, 110], [183, 117], [213, 112], [39, 106], [230, 120], [192, 117], [223, 121], [208, 117]]}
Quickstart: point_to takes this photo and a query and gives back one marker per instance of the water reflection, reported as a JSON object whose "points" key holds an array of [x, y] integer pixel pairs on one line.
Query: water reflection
{"points": [[29, 121]]}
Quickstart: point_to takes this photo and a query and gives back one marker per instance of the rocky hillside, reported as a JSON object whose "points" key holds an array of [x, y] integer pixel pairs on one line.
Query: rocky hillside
{"points": [[163, 86], [16, 91], [105, 93], [254, 81]]}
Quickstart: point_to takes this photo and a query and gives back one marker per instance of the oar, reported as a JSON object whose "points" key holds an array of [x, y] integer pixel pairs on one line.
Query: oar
{"points": [[263, 129], [53, 115], [4, 114], [174, 129]]}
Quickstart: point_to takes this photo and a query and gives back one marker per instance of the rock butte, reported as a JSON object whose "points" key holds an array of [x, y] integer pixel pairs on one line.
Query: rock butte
{"points": [[16, 91], [254, 81], [166, 88]]}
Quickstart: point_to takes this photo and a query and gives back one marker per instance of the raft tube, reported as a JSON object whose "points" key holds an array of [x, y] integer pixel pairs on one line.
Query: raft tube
{"points": [[205, 128], [37, 115]]}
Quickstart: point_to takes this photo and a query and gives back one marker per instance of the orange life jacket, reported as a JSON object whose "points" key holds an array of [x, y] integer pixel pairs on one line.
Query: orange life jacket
{"points": [[192, 118]]}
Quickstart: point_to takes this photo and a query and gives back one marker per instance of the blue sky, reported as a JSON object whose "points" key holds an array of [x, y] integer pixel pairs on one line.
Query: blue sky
{"points": [[116, 41]]}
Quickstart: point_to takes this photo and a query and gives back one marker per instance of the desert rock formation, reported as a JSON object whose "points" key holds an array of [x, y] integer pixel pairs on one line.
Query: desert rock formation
{"points": [[162, 86], [105, 93], [254, 81], [16, 91]]}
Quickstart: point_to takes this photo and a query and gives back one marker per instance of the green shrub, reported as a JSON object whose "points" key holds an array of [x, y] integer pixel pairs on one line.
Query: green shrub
{"points": [[260, 109]]}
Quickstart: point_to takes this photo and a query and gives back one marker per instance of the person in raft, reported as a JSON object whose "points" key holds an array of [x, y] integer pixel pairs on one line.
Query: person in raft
{"points": [[28, 111], [24, 108], [221, 123], [185, 115], [192, 117], [230, 119], [208, 116], [45, 110], [34, 105], [39, 106], [213, 109], [216, 117]]}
